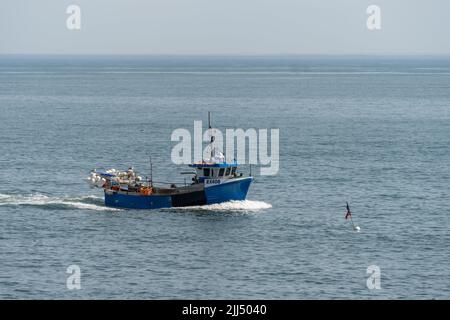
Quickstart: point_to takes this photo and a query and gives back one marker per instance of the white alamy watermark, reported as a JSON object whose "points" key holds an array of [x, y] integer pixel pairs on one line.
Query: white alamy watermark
{"points": [[73, 281], [374, 20], [261, 151], [374, 280], [73, 22]]}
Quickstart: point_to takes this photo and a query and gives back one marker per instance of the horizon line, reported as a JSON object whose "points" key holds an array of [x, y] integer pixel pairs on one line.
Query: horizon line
{"points": [[237, 55]]}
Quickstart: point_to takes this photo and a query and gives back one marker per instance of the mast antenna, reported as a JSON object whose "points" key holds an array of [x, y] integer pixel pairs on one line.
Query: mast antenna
{"points": [[211, 135]]}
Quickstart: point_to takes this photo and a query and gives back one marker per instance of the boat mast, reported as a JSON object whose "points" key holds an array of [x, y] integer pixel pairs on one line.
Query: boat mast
{"points": [[151, 172], [211, 135]]}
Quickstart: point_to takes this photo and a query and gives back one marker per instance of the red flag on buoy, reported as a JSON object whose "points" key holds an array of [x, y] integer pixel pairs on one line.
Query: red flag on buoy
{"points": [[348, 214]]}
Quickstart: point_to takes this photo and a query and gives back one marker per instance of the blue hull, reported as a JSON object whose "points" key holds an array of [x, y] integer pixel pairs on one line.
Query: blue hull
{"points": [[121, 200], [227, 190], [236, 190]]}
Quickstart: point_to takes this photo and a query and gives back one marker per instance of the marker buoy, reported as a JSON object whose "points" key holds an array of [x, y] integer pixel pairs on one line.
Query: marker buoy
{"points": [[348, 214]]}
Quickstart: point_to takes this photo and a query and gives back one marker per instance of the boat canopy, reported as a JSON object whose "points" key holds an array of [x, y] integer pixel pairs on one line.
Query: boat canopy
{"points": [[106, 174], [213, 165]]}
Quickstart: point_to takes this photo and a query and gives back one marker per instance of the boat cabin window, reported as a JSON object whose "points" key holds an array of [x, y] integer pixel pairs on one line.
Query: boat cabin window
{"points": [[227, 173], [206, 172], [221, 171], [233, 171]]}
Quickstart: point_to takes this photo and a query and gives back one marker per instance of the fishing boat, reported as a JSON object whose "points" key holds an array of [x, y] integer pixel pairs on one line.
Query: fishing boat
{"points": [[213, 181]]}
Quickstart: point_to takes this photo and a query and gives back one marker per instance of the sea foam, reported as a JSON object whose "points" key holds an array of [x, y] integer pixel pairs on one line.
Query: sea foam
{"points": [[40, 200]]}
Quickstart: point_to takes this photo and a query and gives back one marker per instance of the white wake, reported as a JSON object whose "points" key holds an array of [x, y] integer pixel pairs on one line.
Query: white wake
{"points": [[244, 205], [40, 200], [96, 203]]}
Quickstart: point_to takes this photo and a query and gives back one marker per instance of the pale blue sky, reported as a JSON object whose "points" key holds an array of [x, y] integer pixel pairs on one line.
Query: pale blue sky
{"points": [[225, 27]]}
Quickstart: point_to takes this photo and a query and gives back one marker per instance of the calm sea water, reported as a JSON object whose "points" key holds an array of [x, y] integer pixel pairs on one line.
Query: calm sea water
{"points": [[371, 131]]}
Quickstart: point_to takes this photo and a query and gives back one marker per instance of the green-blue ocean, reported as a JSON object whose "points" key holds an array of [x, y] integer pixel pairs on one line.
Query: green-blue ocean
{"points": [[371, 131]]}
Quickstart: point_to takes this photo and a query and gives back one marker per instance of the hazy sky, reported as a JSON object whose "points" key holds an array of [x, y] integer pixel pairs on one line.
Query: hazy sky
{"points": [[225, 27]]}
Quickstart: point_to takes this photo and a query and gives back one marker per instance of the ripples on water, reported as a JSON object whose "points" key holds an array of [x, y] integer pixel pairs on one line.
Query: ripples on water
{"points": [[371, 132]]}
